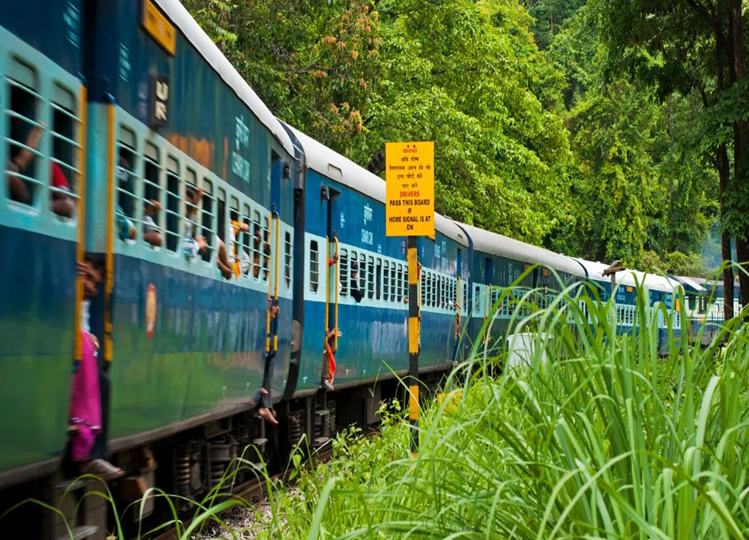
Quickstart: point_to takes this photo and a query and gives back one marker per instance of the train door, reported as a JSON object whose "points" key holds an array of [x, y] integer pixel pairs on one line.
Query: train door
{"points": [[273, 238], [458, 307], [332, 287]]}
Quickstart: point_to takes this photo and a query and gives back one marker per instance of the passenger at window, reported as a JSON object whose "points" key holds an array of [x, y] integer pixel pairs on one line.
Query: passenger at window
{"points": [[334, 260], [62, 204], [228, 260], [193, 245], [151, 233], [356, 293], [258, 240]]}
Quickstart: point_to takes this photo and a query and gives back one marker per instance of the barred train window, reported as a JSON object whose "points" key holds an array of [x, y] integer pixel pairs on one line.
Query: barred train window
{"points": [[354, 271], [151, 192], [236, 249], [207, 215], [257, 245], [247, 238], [287, 259], [343, 271], [404, 272], [386, 281], [393, 282], [65, 152], [379, 278], [424, 287], [127, 182], [266, 248], [22, 170], [173, 196], [221, 216], [371, 278], [192, 212], [314, 266]]}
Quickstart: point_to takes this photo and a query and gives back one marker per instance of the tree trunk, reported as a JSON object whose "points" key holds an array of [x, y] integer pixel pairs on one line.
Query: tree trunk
{"points": [[740, 138], [725, 237]]}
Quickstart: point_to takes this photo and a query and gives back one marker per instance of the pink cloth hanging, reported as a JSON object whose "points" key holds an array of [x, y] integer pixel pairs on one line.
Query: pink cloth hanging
{"points": [[85, 402]]}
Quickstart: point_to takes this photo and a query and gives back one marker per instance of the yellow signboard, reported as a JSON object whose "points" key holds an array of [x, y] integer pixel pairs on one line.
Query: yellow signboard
{"points": [[159, 27], [409, 172]]}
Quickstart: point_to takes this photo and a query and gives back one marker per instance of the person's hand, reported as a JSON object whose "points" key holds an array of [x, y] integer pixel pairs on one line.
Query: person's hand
{"points": [[35, 136], [245, 227], [153, 208]]}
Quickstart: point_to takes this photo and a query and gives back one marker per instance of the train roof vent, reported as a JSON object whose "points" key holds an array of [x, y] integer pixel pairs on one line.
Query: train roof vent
{"points": [[335, 172]]}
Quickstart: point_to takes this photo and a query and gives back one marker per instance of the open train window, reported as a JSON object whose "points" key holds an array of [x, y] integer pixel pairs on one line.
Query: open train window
{"points": [[343, 271], [404, 273], [234, 249], [354, 271], [127, 184], [378, 278], [477, 300], [393, 282], [363, 275], [266, 248], [257, 244], [173, 197], [152, 196], [314, 266], [64, 172], [22, 170], [371, 278], [192, 212], [206, 214], [424, 287], [287, 259], [385, 281], [221, 216], [247, 239]]}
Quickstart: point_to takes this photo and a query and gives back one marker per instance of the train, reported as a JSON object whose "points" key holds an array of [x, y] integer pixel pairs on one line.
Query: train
{"points": [[129, 114]]}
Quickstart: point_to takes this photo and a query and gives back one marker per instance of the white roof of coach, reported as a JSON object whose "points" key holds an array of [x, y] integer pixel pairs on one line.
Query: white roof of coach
{"points": [[333, 165], [503, 246], [628, 277], [192, 31]]}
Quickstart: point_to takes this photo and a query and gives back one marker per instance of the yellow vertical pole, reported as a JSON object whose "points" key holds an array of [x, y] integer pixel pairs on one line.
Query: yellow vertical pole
{"points": [[414, 331], [81, 249]]}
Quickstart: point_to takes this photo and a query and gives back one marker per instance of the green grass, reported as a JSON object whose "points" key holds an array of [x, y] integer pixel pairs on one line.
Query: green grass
{"points": [[605, 440]]}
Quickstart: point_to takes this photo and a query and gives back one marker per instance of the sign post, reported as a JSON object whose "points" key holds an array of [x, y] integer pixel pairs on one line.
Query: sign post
{"points": [[409, 173]]}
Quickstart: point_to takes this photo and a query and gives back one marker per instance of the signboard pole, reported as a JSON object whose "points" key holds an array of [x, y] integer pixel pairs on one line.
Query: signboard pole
{"points": [[409, 173], [414, 332]]}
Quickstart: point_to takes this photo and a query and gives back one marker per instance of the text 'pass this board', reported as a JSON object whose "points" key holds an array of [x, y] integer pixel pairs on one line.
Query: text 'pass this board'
{"points": [[409, 175]]}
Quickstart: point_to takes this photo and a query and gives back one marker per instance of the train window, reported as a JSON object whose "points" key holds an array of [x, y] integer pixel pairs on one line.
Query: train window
{"points": [[398, 287], [192, 212], [126, 184], [266, 248], [257, 244], [234, 246], [22, 173], [404, 272], [343, 271], [247, 238], [363, 275], [287, 259], [424, 287], [151, 196], [314, 266], [207, 222], [378, 278], [65, 151], [173, 197], [386, 281], [393, 281], [221, 216], [354, 271], [371, 278], [477, 300]]}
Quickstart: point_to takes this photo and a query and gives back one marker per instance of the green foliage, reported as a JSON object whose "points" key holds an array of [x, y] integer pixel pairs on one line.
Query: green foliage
{"points": [[549, 145]]}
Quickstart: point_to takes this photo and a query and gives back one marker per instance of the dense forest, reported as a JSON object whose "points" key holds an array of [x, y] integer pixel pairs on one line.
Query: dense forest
{"points": [[607, 129]]}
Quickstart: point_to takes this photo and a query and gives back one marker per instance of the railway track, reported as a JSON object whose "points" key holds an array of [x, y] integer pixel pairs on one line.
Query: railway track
{"points": [[256, 491]]}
